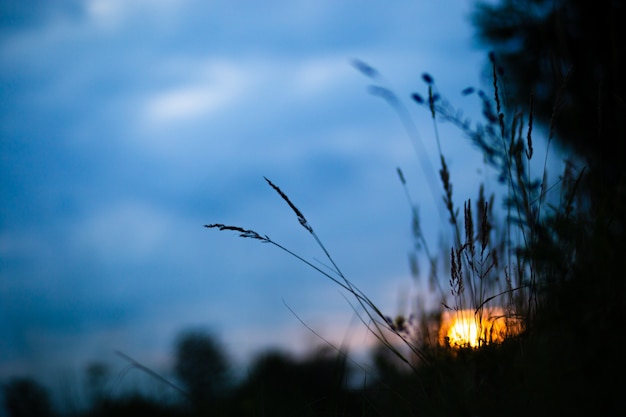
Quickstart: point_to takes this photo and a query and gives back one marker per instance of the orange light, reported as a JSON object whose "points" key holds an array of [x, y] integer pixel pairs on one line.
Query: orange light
{"points": [[464, 328]]}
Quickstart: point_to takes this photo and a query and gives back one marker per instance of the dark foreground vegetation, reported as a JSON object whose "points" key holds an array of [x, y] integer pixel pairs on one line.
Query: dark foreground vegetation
{"points": [[555, 265]]}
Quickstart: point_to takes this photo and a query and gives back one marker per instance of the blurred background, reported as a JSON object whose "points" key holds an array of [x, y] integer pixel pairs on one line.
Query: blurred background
{"points": [[126, 125]]}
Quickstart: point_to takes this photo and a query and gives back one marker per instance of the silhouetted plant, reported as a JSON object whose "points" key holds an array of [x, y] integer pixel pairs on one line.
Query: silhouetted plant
{"points": [[97, 377], [202, 367], [25, 397], [281, 385], [132, 404], [571, 54]]}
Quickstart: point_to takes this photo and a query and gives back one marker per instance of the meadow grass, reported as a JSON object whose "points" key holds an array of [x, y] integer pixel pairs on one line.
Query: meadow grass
{"points": [[511, 281], [484, 268]]}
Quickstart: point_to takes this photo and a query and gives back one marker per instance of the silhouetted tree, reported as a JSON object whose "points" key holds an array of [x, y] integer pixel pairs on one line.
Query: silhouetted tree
{"points": [[97, 375], [132, 404], [280, 385], [25, 397], [571, 54], [202, 367]]}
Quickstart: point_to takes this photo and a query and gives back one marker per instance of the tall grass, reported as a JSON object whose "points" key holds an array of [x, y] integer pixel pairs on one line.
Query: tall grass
{"points": [[503, 270], [488, 262]]}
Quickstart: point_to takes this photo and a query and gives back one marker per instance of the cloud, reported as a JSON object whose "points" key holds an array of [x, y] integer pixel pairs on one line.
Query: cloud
{"points": [[109, 14], [127, 230], [219, 84], [319, 74], [232, 106]]}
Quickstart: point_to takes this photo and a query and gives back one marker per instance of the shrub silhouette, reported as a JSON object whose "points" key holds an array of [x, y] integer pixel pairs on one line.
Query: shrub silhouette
{"points": [[571, 54], [280, 385], [25, 397], [133, 404], [202, 367], [97, 376]]}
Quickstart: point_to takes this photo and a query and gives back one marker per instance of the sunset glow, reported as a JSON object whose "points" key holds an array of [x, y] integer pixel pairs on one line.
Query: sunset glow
{"points": [[464, 328]]}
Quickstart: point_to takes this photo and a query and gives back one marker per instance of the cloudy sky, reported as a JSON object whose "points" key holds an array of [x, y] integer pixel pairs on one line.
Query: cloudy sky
{"points": [[126, 125]]}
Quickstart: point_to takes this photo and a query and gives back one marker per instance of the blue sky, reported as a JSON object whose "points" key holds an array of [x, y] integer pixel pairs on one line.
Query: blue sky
{"points": [[128, 124]]}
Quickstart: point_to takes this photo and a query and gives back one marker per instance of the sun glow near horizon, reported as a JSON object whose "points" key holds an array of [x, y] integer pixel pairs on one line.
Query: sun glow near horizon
{"points": [[465, 328]]}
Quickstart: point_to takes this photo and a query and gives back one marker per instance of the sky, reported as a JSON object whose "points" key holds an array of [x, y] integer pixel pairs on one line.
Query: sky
{"points": [[126, 125]]}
